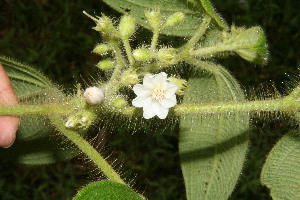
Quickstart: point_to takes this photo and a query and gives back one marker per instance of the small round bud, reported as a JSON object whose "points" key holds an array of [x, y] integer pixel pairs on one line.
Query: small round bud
{"points": [[181, 84], [127, 26], [154, 18], [105, 64], [104, 24], [141, 54], [130, 78], [119, 102], [168, 55], [94, 95], [101, 49], [174, 19]]}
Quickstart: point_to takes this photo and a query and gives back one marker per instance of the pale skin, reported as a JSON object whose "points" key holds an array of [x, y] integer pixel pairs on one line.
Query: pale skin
{"points": [[8, 124]]}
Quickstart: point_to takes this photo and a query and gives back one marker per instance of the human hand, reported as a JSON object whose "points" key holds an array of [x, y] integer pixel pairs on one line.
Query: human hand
{"points": [[8, 124]]}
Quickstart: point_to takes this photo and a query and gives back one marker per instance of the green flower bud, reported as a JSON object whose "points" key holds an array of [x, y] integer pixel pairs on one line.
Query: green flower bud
{"points": [[174, 19], [168, 55], [181, 84], [130, 78], [105, 64], [119, 102], [251, 44], [153, 18], [81, 120], [101, 49], [104, 24], [141, 54], [127, 26]]}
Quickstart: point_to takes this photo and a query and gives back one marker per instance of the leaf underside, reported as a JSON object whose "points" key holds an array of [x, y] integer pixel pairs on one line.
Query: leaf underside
{"points": [[213, 146], [281, 171], [34, 144]]}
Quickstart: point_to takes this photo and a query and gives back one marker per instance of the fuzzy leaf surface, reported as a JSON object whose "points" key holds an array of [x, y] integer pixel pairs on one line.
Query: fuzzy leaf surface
{"points": [[33, 145], [281, 171], [212, 147], [107, 190]]}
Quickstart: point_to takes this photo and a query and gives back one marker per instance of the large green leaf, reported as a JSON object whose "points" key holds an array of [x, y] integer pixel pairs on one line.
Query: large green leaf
{"points": [[281, 172], [34, 144], [212, 146], [193, 14], [107, 190]]}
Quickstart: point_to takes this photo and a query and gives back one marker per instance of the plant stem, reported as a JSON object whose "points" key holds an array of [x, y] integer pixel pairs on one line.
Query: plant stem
{"points": [[201, 30], [21, 110], [113, 84], [250, 106], [128, 50], [86, 148], [210, 51], [154, 40]]}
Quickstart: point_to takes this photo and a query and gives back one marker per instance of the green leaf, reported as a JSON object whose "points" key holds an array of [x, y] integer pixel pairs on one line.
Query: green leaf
{"points": [[192, 14], [34, 143], [26, 81], [213, 146], [107, 190], [281, 171]]}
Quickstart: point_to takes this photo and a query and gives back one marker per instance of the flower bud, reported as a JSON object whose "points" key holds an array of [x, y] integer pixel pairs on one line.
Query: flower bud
{"points": [[181, 84], [141, 54], [104, 24], [174, 19], [154, 18], [101, 49], [251, 44], [119, 102], [82, 119], [168, 55], [94, 95], [105, 64], [127, 26], [130, 78]]}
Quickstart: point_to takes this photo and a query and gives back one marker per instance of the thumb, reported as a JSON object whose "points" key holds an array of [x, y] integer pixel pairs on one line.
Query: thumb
{"points": [[8, 124]]}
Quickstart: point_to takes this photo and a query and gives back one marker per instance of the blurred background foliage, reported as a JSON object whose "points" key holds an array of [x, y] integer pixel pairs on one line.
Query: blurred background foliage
{"points": [[55, 37]]}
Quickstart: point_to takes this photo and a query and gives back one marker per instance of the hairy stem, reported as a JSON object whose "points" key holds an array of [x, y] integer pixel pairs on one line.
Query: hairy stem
{"points": [[250, 106], [209, 51], [21, 110], [154, 40], [199, 33], [113, 84], [86, 148], [128, 50]]}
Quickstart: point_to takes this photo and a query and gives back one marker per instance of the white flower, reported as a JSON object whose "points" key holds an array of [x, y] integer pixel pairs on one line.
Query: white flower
{"points": [[94, 95], [155, 96]]}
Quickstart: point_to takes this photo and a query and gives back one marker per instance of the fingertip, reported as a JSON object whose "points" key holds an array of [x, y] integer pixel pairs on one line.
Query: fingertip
{"points": [[9, 126]]}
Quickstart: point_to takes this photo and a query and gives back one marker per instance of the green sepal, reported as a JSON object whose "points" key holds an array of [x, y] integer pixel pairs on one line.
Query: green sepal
{"points": [[251, 44]]}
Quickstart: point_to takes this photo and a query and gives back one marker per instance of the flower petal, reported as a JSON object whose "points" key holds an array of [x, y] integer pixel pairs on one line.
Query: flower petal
{"points": [[170, 89], [148, 81], [160, 111], [169, 102], [160, 80], [148, 112], [141, 90], [142, 101], [163, 113]]}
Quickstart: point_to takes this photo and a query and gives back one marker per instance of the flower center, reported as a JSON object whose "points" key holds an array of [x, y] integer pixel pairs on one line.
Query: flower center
{"points": [[157, 94]]}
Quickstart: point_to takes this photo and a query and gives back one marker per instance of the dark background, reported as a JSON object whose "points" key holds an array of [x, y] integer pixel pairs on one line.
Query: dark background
{"points": [[56, 38]]}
